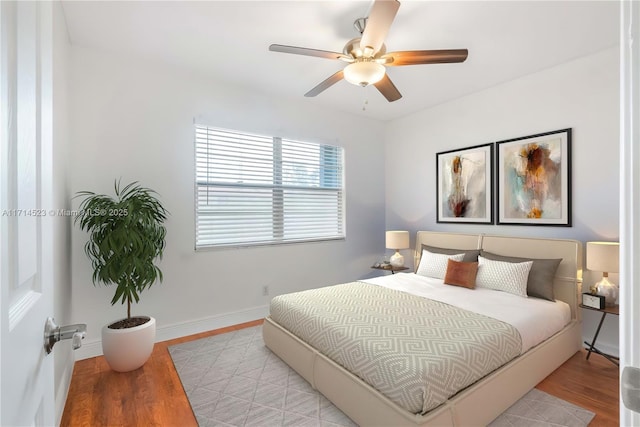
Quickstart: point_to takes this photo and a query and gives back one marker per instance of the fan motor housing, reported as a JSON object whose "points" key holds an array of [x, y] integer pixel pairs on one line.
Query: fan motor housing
{"points": [[353, 49]]}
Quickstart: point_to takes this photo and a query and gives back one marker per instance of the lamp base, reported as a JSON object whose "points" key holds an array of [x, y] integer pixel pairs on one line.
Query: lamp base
{"points": [[608, 290], [397, 260]]}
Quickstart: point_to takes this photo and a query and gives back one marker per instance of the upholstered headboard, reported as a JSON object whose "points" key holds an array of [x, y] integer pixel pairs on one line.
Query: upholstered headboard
{"points": [[568, 279]]}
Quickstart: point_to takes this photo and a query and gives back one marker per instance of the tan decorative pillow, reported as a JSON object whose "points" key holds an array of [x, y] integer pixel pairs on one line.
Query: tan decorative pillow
{"points": [[470, 255], [461, 274]]}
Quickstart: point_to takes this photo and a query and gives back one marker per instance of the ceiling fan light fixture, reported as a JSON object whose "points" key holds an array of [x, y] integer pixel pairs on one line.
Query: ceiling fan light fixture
{"points": [[364, 73], [367, 54]]}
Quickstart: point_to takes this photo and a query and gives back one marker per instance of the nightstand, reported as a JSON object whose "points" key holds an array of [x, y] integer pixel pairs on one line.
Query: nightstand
{"points": [[615, 310], [389, 267]]}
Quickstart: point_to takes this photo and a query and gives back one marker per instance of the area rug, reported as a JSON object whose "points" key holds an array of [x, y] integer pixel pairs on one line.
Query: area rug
{"points": [[232, 379]]}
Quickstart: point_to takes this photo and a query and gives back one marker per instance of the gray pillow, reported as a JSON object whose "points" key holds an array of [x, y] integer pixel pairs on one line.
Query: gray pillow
{"points": [[470, 255], [540, 282]]}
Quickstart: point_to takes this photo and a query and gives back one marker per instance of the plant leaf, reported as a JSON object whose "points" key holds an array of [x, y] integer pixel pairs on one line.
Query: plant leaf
{"points": [[126, 237]]}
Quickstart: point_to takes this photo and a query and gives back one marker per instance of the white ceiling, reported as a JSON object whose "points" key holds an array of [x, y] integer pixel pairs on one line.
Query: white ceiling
{"points": [[229, 40]]}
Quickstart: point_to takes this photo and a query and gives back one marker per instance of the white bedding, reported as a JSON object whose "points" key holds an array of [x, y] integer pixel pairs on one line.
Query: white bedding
{"points": [[534, 318]]}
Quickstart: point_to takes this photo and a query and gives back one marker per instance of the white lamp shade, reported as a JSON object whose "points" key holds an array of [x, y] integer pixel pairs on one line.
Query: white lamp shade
{"points": [[364, 73], [603, 256], [397, 239]]}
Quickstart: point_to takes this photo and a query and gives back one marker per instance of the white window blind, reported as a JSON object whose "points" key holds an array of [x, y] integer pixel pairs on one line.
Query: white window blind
{"points": [[254, 190]]}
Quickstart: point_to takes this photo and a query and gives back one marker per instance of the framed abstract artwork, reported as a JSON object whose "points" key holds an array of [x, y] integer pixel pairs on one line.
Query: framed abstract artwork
{"points": [[464, 185], [534, 179]]}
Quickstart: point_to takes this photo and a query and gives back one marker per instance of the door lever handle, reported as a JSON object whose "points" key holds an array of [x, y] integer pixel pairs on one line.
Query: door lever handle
{"points": [[630, 388], [54, 333], [76, 341]]}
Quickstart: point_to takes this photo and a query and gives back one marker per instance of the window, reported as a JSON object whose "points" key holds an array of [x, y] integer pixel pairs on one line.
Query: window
{"points": [[253, 189]]}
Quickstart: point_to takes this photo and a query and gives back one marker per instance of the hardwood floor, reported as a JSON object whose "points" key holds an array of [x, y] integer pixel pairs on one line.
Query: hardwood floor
{"points": [[153, 394], [591, 384], [149, 396]]}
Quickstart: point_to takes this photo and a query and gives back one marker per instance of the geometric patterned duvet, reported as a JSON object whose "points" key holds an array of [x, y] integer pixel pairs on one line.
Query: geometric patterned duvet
{"points": [[416, 351]]}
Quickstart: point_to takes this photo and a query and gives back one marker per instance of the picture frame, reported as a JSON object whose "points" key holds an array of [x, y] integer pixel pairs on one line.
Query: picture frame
{"points": [[464, 185], [533, 181]]}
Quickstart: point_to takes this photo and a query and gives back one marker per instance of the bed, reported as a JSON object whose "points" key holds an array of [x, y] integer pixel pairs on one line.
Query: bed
{"points": [[475, 401]]}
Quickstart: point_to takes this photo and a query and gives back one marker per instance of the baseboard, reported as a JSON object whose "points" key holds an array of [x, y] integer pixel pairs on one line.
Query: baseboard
{"points": [[178, 330], [191, 327]]}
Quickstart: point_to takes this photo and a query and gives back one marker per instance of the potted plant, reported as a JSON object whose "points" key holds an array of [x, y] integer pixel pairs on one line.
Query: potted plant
{"points": [[126, 237]]}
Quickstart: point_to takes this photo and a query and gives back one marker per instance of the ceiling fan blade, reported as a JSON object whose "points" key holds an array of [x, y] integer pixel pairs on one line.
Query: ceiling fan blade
{"points": [[335, 78], [305, 51], [379, 21], [415, 57], [388, 89]]}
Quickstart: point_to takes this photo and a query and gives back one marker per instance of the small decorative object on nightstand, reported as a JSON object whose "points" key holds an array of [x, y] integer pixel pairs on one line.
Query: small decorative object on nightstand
{"points": [[397, 240], [593, 301], [388, 267], [603, 256]]}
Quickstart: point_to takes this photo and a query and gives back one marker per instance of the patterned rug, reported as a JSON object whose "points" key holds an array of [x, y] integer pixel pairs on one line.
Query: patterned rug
{"points": [[232, 379]]}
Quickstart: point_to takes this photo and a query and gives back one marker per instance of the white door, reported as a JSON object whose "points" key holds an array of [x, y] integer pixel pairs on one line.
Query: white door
{"points": [[630, 203], [26, 298]]}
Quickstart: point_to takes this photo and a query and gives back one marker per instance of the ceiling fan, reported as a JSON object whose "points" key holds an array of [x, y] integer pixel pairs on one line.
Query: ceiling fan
{"points": [[367, 56]]}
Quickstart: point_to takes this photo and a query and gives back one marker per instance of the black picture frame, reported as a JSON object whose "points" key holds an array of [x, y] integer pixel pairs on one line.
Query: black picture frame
{"points": [[533, 180], [464, 185]]}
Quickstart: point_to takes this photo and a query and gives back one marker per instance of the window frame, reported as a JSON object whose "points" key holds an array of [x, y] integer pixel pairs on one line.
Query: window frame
{"points": [[278, 188]]}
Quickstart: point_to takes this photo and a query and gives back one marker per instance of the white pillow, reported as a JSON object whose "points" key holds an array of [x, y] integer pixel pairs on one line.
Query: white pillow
{"points": [[435, 265], [503, 276]]}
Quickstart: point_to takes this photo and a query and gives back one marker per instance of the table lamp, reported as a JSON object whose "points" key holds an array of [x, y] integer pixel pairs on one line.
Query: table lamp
{"points": [[604, 257], [397, 240]]}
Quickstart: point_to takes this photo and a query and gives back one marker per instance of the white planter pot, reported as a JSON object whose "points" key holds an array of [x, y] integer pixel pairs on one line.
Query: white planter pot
{"points": [[128, 349]]}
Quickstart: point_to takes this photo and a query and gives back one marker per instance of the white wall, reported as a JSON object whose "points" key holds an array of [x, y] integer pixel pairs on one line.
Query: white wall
{"points": [[582, 94], [134, 119]]}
